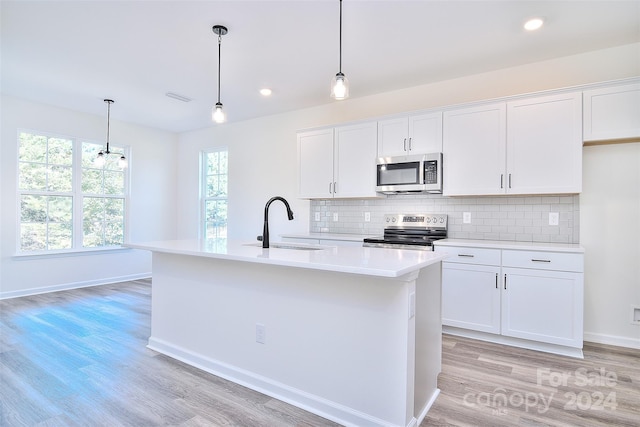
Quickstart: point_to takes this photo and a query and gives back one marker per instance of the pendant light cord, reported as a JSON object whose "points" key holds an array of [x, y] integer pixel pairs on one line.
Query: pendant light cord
{"points": [[108, 101], [340, 66], [219, 48]]}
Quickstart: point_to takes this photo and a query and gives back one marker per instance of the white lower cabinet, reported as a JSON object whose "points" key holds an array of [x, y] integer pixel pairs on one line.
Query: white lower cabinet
{"points": [[536, 296], [471, 298], [542, 305]]}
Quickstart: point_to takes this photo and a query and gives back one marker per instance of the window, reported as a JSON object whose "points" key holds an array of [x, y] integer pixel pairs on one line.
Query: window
{"points": [[66, 202], [214, 193], [103, 198]]}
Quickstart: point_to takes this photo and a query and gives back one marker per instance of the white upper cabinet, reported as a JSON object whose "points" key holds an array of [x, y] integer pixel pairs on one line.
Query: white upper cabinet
{"points": [[355, 160], [527, 146], [392, 137], [337, 162], [544, 145], [315, 163], [415, 134], [474, 150], [612, 112]]}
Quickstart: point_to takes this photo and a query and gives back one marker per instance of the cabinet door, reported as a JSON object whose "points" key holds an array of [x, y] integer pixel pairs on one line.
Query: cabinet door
{"points": [[612, 113], [474, 150], [544, 145], [355, 160], [392, 137], [543, 305], [471, 297], [425, 133], [315, 164]]}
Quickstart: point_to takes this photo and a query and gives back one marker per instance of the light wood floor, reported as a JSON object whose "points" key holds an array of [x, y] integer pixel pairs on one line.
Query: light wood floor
{"points": [[79, 358]]}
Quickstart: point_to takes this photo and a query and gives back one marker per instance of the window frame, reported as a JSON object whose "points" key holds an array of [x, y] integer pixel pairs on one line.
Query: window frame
{"points": [[76, 195], [202, 229]]}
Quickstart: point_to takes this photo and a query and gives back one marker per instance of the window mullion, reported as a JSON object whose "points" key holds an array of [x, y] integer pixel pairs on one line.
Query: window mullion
{"points": [[78, 220]]}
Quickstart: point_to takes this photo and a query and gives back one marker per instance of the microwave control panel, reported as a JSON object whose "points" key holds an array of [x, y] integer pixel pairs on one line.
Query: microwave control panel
{"points": [[431, 172]]}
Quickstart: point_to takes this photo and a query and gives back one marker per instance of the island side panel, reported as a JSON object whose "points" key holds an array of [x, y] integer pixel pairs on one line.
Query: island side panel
{"points": [[341, 345], [428, 338]]}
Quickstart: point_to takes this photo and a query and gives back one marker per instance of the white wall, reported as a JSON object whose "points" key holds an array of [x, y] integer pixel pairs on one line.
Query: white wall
{"points": [[263, 151], [610, 219], [152, 206]]}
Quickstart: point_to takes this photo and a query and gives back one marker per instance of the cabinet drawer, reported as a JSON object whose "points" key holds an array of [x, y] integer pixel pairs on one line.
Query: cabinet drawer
{"points": [[465, 255], [559, 261]]}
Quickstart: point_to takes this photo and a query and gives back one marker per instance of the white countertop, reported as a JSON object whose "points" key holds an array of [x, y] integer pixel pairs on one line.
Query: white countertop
{"points": [[510, 245], [346, 259]]}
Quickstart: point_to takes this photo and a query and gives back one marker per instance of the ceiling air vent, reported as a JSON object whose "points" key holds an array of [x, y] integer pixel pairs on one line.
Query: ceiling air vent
{"points": [[178, 96]]}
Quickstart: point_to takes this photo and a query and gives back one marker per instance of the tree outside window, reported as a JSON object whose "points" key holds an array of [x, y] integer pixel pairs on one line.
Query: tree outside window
{"points": [[214, 194], [103, 198], [65, 201]]}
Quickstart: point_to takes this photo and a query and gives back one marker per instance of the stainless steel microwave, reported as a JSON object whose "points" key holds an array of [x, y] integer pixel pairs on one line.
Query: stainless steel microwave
{"points": [[419, 173]]}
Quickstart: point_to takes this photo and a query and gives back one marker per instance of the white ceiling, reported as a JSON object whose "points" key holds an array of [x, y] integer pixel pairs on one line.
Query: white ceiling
{"points": [[73, 54]]}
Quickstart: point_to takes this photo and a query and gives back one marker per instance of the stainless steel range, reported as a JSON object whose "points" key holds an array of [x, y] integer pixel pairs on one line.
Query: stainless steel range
{"points": [[410, 231]]}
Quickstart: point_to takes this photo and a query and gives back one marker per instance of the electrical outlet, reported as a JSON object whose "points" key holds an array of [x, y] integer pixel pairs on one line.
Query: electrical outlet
{"points": [[635, 315], [261, 333], [554, 218], [335, 216], [466, 217], [316, 216], [367, 216]]}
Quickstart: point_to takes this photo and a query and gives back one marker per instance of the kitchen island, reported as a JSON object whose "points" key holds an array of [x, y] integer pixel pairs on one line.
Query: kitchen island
{"points": [[352, 334]]}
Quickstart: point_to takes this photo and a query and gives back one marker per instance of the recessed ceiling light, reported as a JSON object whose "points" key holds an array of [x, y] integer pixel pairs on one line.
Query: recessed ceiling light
{"points": [[533, 24], [265, 92]]}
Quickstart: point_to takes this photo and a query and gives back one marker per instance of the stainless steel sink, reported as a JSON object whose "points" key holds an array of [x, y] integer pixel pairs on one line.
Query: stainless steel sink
{"points": [[295, 247]]}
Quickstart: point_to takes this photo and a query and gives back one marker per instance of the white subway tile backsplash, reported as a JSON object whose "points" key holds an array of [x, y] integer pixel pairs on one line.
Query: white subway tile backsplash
{"points": [[517, 218]]}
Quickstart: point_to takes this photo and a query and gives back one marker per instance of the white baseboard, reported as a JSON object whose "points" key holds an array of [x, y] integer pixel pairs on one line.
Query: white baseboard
{"points": [[515, 342], [426, 408], [74, 285], [612, 340], [315, 404]]}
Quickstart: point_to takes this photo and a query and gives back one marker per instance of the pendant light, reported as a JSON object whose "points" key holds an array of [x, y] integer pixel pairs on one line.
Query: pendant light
{"points": [[102, 155], [217, 114], [340, 84]]}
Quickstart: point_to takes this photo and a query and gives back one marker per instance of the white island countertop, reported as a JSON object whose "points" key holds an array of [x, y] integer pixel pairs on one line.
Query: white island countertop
{"points": [[356, 260]]}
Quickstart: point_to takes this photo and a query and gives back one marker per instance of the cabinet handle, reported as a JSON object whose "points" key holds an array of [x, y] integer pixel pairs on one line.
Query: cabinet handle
{"points": [[409, 144], [330, 188], [404, 145], [501, 180], [466, 255], [496, 280], [540, 260], [509, 180], [505, 281], [335, 187]]}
